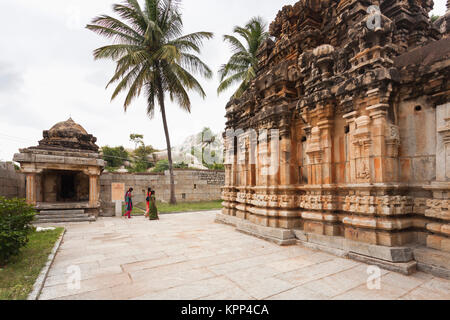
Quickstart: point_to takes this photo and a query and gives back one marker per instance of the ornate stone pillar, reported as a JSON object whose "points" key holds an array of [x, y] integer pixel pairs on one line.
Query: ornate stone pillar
{"points": [[438, 208], [286, 175], [351, 164], [229, 160], [31, 189], [228, 193], [234, 164], [443, 143], [384, 168], [274, 158], [94, 191], [263, 159], [257, 163], [326, 142], [362, 143], [314, 152], [253, 140], [241, 160]]}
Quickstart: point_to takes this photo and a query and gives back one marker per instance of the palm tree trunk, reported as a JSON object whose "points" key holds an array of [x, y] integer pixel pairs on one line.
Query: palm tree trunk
{"points": [[173, 199]]}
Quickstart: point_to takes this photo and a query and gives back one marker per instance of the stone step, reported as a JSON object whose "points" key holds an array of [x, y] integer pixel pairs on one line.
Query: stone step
{"points": [[60, 212], [433, 261], [40, 221], [406, 268], [392, 254], [62, 206], [61, 216]]}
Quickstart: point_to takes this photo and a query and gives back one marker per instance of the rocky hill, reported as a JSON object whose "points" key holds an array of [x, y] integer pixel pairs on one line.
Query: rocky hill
{"points": [[204, 145]]}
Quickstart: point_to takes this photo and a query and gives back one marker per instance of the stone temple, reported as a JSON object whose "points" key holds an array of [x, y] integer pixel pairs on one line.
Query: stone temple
{"points": [[359, 98], [62, 173]]}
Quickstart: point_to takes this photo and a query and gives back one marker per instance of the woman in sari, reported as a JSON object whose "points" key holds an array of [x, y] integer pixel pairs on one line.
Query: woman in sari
{"points": [[147, 200], [128, 203], [153, 213]]}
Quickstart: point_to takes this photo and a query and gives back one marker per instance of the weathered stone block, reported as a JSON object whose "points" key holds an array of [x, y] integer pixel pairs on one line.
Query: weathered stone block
{"points": [[406, 268], [314, 227], [438, 242]]}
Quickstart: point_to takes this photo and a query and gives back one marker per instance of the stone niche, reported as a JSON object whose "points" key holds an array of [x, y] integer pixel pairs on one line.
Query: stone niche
{"points": [[361, 113], [63, 171]]}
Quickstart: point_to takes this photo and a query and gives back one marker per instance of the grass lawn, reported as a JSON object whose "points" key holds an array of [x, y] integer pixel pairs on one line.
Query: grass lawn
{"points": [[140, 208], [18, 276]]}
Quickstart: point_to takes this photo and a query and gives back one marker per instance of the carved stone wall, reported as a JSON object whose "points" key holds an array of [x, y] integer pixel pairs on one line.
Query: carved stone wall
{"points": [[359, 101]]}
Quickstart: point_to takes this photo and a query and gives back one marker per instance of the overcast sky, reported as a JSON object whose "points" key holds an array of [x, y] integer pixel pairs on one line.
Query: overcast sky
{"points": [[47, 73]]}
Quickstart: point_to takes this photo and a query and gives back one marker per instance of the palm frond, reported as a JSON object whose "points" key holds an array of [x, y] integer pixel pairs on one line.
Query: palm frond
{"points": [[115, 35], [228, 82], [193, 63], [242, 65], [195, 38], [135, 88], [236, 45], [134, 16], [188, 80], [115, 51], [115, 24]]}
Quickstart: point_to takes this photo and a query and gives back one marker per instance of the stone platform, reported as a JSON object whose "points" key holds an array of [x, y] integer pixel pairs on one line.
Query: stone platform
{"points": [[61, 205], [188, 256], [63, 212], [405, 260]]}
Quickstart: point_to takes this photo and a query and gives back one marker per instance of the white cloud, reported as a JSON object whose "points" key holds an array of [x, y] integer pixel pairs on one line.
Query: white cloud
{"points": [[49, 73]]}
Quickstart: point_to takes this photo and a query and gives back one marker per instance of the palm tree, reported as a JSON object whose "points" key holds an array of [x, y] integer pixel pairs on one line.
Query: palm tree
{"points": [[243, 63], [153, 57]]}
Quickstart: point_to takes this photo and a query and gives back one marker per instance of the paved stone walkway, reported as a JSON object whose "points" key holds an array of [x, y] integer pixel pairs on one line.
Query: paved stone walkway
{"points": [[188, 256]]}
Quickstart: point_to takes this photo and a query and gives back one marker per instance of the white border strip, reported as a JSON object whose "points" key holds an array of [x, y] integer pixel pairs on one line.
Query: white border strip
{"points": [[39, 284]]}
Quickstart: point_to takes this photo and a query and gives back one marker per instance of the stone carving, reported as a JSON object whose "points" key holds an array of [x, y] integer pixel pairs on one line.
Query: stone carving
{"points": [[338, 87]]}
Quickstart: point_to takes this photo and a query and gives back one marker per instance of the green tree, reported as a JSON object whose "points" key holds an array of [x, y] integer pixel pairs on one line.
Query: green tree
{"points": [[141, 161], [115, 157], [137, 139], [153, 57], [161, 166], [242, 66]]}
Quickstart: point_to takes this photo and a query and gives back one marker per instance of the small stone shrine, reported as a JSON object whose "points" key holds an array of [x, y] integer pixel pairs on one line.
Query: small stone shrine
{"points": [[62, 174]]}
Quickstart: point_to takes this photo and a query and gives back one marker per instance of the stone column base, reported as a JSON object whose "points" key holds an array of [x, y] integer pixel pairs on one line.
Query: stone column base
{"points": [[283, 237]]}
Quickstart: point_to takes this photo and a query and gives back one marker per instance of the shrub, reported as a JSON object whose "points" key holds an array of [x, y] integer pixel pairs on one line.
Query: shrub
{"points": [[216, 166], [161, 166], [181, 165], [115, 157], [15, 226]]}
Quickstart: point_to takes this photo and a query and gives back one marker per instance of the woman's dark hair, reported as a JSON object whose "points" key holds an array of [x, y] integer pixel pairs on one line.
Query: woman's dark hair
{"points": [[153, 192], [149, 189], [131, 189]]}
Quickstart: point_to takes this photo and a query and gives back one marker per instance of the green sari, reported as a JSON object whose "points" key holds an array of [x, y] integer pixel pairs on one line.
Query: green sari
{"points": [[153, 214]]}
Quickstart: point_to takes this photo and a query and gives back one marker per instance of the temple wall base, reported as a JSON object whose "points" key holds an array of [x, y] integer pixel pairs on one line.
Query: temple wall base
{"points": [[279, 236], [403, 258]]}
